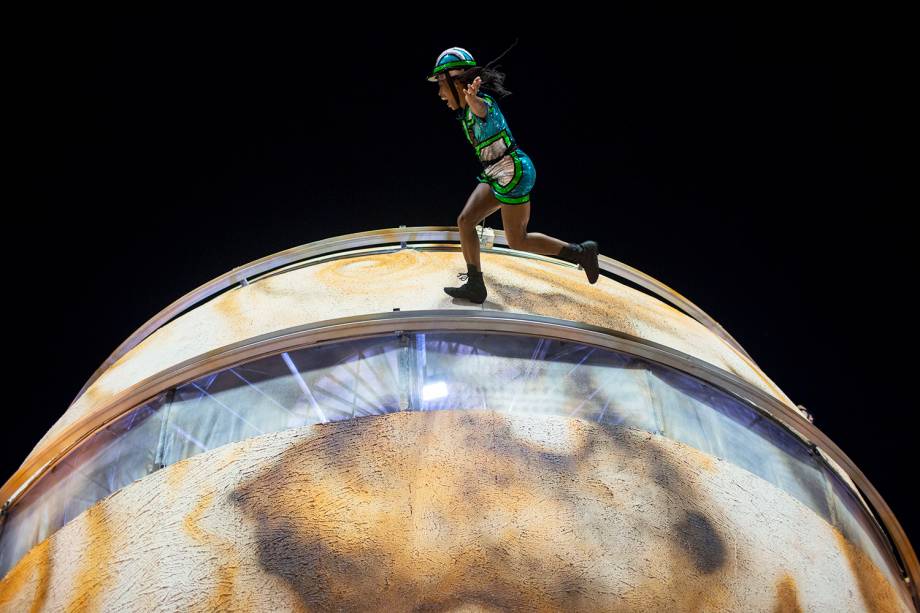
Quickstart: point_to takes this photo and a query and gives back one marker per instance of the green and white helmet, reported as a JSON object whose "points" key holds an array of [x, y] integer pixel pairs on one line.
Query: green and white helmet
{"points": [[455, 57]]}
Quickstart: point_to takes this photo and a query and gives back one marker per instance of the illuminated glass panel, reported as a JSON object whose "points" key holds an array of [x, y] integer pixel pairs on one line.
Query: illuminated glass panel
{"points": [[430, 372]]}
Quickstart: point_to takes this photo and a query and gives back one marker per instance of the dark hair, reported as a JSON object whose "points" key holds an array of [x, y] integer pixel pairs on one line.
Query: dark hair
{"points": [[492, 79]]}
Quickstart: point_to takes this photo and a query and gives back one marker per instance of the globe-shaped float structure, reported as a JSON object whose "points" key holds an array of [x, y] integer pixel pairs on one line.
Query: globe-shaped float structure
{"points": [[325, 428]]}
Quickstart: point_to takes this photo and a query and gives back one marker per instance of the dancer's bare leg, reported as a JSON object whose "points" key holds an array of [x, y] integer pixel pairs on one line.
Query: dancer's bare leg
{"points": [[479, 205], [514, 219]]}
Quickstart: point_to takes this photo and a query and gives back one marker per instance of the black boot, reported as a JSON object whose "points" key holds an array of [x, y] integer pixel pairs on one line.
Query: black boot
{"points": [[473, 290], [585, 255]]}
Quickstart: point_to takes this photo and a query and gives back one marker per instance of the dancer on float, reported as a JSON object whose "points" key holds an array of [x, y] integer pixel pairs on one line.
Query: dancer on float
{"points": [[508, 174]]}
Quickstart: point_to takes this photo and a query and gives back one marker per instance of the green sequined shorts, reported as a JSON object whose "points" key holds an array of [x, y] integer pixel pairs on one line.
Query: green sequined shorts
{"points": [[512, 178]]}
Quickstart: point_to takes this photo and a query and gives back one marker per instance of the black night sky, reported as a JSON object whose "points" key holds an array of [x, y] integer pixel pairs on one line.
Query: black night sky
{"points": [[749, 163]]}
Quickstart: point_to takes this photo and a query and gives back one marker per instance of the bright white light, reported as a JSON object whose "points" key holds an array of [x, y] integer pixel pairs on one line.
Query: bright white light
{"points": [[434, 390]]}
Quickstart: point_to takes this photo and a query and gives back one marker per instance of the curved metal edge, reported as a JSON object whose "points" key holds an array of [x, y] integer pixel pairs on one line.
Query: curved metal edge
{"points": [[466, 320], [401, 235]]}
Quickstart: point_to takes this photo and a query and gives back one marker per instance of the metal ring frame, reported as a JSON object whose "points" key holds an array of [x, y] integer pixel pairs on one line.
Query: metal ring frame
{"points": [[242, 274], [465, 320]]}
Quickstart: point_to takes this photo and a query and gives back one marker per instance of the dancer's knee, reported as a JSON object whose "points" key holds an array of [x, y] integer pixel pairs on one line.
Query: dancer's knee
{"points": [[468, 220], [516, 241]]}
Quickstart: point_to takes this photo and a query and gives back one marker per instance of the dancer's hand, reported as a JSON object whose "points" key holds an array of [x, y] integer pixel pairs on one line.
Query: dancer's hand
{"points": [[475, 103], [472, 89]]}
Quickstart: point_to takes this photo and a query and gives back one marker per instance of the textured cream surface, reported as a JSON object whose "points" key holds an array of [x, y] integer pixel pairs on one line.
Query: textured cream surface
{"points": [[410, 280], [449, 510]]}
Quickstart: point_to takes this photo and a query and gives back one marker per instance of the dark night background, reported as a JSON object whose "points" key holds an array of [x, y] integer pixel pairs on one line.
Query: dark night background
{"points": [[750, 164]]}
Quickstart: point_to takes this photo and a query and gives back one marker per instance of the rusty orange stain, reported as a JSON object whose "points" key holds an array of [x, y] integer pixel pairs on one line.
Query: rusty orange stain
{"points": [[787, 596], [229, 306], [405, 265], [877, 593], [222, 597], [175, 476], [190, 523], [32, 572], [92, 576], [702, 460]]}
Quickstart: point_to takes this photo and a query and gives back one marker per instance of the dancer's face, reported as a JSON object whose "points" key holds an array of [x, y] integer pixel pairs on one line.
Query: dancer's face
{"points": [[444, 90]]}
